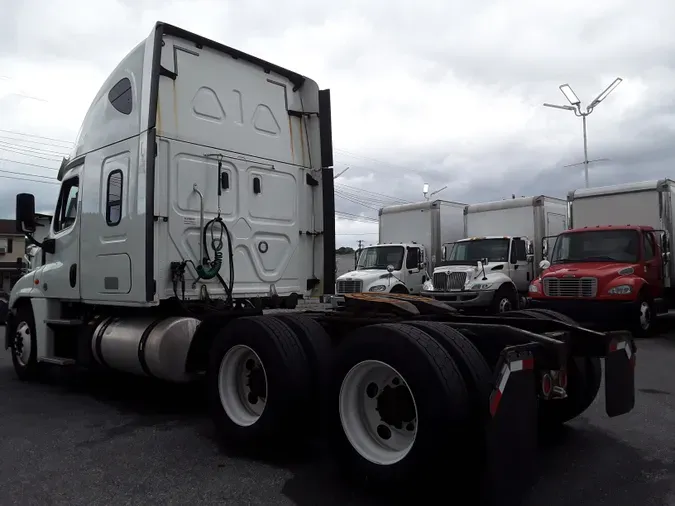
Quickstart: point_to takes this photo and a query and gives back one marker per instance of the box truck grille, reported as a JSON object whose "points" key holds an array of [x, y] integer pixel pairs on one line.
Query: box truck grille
{"points": [[349, 286], [449, 280], [570, 287]]}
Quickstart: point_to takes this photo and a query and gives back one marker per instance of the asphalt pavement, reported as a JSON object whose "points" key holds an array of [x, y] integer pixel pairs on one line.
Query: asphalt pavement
{"points": [[77, 440]]}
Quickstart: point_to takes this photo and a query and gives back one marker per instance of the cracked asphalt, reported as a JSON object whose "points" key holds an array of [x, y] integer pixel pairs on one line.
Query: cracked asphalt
{"points": [[77, 440]]}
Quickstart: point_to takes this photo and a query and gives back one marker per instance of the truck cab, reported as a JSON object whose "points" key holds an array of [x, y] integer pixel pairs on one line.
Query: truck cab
{"points": [[606, 274], [386, 268], [483, 273]]}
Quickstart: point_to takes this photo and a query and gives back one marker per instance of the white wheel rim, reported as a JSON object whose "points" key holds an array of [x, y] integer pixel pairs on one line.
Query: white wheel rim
{"points": [[363, 424], [242, 394], [645, 316], [22, 343], [504, 305]]}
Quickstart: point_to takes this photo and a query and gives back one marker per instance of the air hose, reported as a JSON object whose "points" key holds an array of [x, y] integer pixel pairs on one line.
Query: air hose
{"points": [[210, 268]]}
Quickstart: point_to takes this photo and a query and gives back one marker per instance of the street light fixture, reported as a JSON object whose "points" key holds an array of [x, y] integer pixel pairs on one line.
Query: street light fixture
{"points": [[425, 190], [572, 98]]}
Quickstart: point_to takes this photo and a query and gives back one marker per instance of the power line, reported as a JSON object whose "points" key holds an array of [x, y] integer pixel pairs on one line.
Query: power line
{"points": [[11, 150], [29, 164], [31, 180], [42, 151], [36, 136]]}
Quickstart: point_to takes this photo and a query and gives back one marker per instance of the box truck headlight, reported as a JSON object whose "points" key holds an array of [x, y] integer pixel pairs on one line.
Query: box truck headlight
{"points": [[428, 285], [377, 288], [533, 289], [481, 286], [620, 290]]}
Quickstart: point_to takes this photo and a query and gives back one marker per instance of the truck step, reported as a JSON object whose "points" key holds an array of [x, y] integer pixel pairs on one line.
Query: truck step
{"points": [[58, 322], [57, 360]]}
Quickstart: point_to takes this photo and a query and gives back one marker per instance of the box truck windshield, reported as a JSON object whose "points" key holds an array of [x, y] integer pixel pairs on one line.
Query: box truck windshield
{"points": [[597, 246], [380, 257], [495, 250]]}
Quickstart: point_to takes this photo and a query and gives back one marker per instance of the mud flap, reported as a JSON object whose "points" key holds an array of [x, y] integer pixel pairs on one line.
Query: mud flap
{"points": [[511, 435], [620, 377]]}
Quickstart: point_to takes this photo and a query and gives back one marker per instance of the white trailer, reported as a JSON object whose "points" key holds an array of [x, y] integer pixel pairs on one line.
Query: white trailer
{"points": [[199, 191], [409, 247], [493, 266]]}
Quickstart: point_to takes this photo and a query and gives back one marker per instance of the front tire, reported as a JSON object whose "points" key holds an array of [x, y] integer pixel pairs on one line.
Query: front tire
{"points": [[643, 317], [505, 299], [24, 345]]}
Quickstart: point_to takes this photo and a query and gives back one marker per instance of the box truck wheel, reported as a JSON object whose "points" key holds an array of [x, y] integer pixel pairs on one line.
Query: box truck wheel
{"points": [[643, 316], [24, 344], [584, 375], [402, 407], [258, 383], [505, 299]]}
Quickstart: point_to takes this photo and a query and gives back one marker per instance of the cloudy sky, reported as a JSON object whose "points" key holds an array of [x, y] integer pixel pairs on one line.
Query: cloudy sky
{"points": [[436, 91]]}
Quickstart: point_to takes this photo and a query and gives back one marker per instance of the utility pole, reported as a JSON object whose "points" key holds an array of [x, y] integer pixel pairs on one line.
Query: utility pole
{"points": [[360, 243]]}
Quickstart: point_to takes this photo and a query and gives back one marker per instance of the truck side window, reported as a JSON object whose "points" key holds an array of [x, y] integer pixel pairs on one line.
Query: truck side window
{"points": [[648, 246], [413, 258], [113, 210], [519, 250], [121, 96], [66, 207]]}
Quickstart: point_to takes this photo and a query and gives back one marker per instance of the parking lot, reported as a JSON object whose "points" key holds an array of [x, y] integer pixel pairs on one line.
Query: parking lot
{"points": [[73, 440]]}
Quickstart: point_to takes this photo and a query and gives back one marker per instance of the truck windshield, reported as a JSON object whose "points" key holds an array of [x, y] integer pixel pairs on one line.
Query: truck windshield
{"points": [[380, 257], [597, 246], [495, 250]]}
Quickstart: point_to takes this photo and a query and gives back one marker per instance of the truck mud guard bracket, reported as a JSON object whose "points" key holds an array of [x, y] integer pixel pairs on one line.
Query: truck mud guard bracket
{"points": [[511, 432], [620, 376]]}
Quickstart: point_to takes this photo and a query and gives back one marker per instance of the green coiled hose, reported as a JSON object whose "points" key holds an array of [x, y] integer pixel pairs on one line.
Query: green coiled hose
{"points": [[210, 269]]}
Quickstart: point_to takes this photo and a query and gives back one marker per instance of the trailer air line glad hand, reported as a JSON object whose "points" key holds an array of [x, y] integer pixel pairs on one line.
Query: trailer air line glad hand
{"points": [[208, 268]]}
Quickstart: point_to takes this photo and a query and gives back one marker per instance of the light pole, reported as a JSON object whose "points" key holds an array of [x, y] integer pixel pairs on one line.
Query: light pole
{"points": [[427, 195], [575, 106]]}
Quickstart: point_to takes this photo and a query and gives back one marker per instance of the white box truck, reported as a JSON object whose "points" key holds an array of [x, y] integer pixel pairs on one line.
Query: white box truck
{"points": [[491, 268], [409, 247], [201, 189], [613, 266]]}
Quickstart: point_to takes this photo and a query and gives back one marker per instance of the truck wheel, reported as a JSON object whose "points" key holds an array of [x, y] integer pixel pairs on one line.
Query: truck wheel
{"points": [[505, 299], [388, 377], [24, 345], [258, 383], [317, 346], [643, 317], [584, 375], [476, 372], [400, 289]]}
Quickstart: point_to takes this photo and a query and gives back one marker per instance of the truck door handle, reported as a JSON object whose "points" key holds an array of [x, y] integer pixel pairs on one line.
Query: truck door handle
{"points": [[73, 275]]}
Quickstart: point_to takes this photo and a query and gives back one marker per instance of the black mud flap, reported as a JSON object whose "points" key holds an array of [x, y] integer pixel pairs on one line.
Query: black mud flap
{"points": [[620, 376], [511, 434]]}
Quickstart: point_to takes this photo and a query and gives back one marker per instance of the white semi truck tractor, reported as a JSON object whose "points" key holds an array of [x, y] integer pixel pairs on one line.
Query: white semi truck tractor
{"points": [[199, 192]]}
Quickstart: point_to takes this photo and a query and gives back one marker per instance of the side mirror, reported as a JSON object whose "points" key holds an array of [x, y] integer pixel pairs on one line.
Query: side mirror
{"points": [[420, 265], [530, 248], [484, 261], [530, 257], [544, 264], [390, 268], [444, 250], [666, 257], [25, 213]]}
